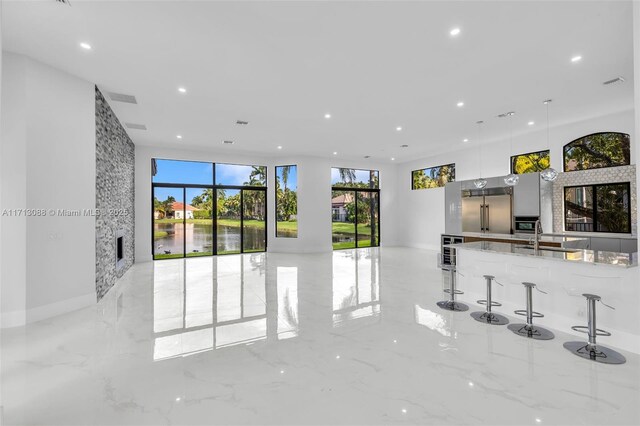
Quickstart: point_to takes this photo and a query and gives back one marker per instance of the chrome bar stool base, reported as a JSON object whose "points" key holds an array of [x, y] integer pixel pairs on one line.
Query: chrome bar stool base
{"points": [[451, 304], [598, 353], [533, 332], [487, 316], [590, 350], [490, 318], [529, 330]]}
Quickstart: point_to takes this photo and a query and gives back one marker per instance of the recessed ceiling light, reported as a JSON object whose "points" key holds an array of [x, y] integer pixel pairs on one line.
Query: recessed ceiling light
{"points": [[85, 46], [531, 123], [327, 116], [460, 104], [455, 31], [179, 136], [182, 90], [399, 128], [279, 146], [576, 58], [393, 159], [465, 140], [335, 153]]}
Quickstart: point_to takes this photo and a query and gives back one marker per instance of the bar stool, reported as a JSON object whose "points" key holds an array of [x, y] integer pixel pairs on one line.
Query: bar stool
{"points": [[451, 304], [528, 329], [590, 350], [488, 316]]}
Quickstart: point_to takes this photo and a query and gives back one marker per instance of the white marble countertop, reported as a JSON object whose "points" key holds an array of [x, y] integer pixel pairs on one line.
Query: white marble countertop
{"points": [[594, 257], [547, 238]]}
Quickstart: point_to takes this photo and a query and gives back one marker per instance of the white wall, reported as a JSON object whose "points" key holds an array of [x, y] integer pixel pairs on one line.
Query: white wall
{"points": [[48, 162], [636, 66], [422, 214], [314, 197]]}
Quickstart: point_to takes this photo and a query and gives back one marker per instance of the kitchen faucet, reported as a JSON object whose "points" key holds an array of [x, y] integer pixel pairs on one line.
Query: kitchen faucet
{"points": [[537, 235]]}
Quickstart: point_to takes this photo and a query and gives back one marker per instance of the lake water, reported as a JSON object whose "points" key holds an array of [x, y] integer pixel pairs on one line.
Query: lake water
{"points": [[200, 237]]}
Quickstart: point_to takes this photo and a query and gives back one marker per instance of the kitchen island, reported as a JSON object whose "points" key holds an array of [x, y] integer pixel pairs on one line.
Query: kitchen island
{"points": [[565, 274]]}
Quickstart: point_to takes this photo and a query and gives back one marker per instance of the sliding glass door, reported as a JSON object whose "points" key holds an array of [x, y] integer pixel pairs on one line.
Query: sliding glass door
{"points": [[229, 221], [168, 222], [254, 229], [203, 209], [355, 208]]}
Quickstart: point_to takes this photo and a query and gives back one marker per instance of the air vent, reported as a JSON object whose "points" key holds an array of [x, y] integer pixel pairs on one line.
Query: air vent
{"points": [[228, 142], [67, 2], [367, 156], [507, 114], [136, 126], [614, 81], [404, 146], [119, 97], [242, 123]]}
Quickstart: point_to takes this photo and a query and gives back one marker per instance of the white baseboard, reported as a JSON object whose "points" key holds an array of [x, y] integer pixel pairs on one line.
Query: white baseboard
{"points": [[12, 319], [20, 318]]}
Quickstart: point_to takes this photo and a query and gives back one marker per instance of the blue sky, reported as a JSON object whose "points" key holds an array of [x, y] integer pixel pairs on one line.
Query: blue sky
{"points": [[361, 176], [292, 180], [200, 173]]}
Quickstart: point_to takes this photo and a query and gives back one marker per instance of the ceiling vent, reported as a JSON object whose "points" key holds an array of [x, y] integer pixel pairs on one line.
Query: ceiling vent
{"points": [[119, 97], [404, 146], [136, 126], [228, 142], [614, 81], [67, 2], [367, 156], [242, 123], [507, 114]]}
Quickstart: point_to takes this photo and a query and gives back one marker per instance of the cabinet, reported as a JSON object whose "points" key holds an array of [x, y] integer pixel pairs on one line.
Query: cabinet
{"points": [[628, 245], [605, 244], [526, 195]]}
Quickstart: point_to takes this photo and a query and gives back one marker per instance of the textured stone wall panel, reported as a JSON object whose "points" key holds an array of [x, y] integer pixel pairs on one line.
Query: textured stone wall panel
{"points": [[115, 190]]}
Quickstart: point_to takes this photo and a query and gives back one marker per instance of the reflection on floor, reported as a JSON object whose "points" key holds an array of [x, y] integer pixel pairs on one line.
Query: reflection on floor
{"points": [[350, 337]]}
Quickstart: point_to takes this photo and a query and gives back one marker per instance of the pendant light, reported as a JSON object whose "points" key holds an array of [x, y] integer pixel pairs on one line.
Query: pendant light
{"points": [[480, 182], [549, 174], [511, 179]]}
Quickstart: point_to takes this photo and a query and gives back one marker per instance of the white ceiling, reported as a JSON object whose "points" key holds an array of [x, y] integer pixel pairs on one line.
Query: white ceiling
{"points": [[372, 65]]}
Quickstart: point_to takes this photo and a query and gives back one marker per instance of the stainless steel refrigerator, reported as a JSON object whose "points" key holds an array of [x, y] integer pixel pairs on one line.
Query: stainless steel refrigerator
{"points": [[488, 210]]}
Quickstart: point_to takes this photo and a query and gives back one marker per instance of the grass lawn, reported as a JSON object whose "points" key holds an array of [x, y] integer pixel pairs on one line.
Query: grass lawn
{"points": [[288, 225], [160, 234], [348, 228]]}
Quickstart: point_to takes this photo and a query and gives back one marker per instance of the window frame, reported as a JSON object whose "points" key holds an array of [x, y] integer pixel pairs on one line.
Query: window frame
{"points": [[594, 206], [548, 151], [413, 188], [564, 152]]}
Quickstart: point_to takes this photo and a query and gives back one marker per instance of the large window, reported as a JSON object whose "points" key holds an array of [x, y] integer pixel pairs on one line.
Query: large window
{"points": [[531, 162], [433, 177], [202, 209], [598, 208], [596, 151], [355, 208], [287, 201]]}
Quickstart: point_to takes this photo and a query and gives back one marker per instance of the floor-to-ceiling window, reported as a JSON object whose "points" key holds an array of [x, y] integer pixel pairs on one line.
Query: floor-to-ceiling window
{"points": [[355, 208], [203, 209]]}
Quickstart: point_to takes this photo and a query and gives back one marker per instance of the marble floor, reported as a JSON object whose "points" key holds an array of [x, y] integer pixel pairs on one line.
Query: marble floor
{"points": [[350, 337]]}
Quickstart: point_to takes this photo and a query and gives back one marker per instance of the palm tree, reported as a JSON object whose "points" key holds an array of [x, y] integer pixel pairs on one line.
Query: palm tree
{"points": [[347, 175]]}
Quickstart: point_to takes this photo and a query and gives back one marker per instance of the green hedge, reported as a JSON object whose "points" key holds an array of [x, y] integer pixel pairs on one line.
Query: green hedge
{"points": [[202, 214]]}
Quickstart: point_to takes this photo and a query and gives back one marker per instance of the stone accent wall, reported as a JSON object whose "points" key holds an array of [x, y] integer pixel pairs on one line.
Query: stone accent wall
{"points": [[588, 177], [115, 162]]}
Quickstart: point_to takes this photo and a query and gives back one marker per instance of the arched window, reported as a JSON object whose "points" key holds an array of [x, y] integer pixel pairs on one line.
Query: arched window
{"points": [[606, 149]]}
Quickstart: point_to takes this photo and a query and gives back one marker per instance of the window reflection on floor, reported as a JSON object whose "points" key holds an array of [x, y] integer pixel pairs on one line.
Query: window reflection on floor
{"points": [[287, 283], [356, 291], [206, 303]]}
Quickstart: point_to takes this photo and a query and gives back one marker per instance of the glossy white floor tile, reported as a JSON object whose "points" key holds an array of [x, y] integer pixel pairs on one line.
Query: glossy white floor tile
{"points": [[353, 337]]}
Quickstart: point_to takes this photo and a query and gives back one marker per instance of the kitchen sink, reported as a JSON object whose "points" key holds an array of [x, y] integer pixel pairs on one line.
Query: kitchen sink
{"points": [[544, 248]]}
